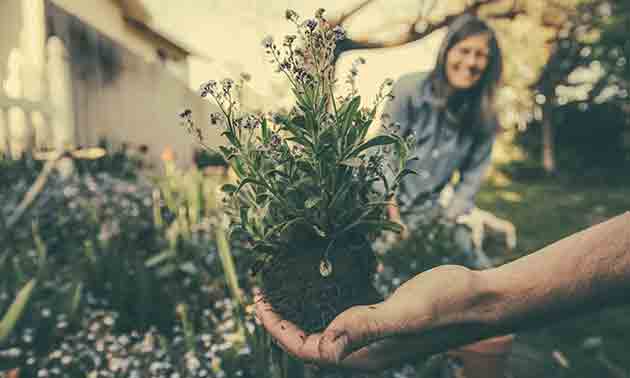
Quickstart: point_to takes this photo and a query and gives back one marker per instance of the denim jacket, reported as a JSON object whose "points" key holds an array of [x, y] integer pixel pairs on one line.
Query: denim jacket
{"points": [[442, 147]]}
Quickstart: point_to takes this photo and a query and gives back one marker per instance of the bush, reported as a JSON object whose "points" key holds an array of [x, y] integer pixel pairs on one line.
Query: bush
{"points": [[588, 143], [128, 247]]}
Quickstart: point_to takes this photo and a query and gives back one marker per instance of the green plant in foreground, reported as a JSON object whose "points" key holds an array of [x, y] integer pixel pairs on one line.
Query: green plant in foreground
{"points": [[312, 188]]}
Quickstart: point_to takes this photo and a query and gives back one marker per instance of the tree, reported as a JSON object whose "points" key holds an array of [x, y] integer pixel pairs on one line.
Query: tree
{"points": [[587, 65]]}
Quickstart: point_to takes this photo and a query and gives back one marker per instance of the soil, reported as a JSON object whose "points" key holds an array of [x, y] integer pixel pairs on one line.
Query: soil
{"points": [[295, 287]]}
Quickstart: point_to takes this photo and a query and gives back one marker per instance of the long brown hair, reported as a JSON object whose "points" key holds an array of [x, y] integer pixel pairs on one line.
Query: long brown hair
{"points": [[480, 102]]}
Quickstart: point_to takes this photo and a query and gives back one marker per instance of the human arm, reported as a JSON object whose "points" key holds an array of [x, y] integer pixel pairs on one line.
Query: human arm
{"points": [[451, 306], [472, 173]]}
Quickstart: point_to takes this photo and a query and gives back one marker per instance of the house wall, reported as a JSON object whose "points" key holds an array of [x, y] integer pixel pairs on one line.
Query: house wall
{"points": [[10, 26], [108, 18], [119, 89], [121, 96]]}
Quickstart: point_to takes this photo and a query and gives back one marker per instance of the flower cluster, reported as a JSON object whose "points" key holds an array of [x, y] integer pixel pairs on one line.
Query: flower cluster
{"points": [[313, 167], [310, 62], [98, 349]]}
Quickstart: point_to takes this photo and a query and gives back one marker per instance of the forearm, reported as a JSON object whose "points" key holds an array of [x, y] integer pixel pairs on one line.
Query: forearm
{"points": [[581, 273]]}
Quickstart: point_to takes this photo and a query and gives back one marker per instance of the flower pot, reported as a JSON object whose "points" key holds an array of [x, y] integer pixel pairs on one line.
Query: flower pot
{"points": [[485, 358]]}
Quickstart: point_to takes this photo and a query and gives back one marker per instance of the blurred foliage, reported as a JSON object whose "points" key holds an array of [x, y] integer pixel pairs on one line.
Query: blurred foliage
{"points": [[143, 252], [582, 92]]}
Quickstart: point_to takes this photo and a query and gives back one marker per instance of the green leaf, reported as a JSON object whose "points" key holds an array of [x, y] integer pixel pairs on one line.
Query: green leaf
{"points": [[280, 228], [229, 188], [225, 151], [312, 202], [15, 310], [340, 195], [380, 140], [166, 270], [347, 115], [76, 297], [231, 138], [319, 231], [237, 165], [404, 173], [159, 258], [249, 180], [275, 172], [385, 225], [380, 225], [244, 219], [354, 162], [301, 140], [189, 267], [265, 132]]}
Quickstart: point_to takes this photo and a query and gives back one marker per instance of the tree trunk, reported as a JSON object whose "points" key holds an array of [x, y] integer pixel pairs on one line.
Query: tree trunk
{"points": [[548, 151]]}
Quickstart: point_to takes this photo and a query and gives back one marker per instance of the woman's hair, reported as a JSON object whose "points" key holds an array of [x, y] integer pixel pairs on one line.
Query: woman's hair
{"points": [[480, 100]]}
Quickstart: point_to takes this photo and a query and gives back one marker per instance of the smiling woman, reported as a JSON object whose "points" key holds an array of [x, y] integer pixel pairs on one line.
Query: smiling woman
{"points": [[450, 110], [467, 61]]}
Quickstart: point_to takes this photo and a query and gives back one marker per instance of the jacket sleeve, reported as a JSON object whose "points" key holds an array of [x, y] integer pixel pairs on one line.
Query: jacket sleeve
{"points": [[396, 110], [472, 174]]}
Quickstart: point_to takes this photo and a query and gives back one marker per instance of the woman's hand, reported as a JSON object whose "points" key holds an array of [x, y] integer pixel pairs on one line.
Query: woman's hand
{"points": [[422, 317]]}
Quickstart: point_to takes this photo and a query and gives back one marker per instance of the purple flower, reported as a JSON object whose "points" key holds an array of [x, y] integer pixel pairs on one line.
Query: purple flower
{"points": [[275, 140], [339, 33], [249, 122], [185, 115], [207, 88], [310, 24], [267, 42], [288, 40], [215, 118], [245, 76], [291, 15], [227, 85], [285, 65]]}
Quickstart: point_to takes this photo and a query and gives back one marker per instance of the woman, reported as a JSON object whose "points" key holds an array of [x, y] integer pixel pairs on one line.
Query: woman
{"points": [[450, 110]]}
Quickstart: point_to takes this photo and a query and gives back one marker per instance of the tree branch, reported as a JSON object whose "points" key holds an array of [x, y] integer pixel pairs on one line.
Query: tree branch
{"points": [[343, 17], [414, 35]]}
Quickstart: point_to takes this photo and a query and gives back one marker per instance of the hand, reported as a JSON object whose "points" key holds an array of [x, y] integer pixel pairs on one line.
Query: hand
{"points": [[420, 318]]}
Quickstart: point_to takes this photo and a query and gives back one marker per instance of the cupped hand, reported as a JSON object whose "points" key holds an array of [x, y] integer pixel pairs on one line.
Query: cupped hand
{"points": [[421, 317]]}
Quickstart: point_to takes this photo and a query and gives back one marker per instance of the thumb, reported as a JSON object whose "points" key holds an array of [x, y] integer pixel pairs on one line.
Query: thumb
{"points": [[353, 329]]}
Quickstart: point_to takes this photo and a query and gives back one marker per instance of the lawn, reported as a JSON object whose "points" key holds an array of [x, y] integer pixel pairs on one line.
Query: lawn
{"points": [[546, 210]]}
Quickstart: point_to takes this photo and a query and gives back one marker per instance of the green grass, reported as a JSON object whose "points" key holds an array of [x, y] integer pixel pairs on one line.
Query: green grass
{"points": [[544, 211]]}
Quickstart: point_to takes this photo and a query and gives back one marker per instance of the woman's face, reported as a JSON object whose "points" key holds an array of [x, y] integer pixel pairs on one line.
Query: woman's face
{"points": [[466, 61]]}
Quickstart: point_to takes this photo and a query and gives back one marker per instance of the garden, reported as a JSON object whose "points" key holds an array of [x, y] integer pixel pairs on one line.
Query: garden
{"points": [[111, 269]]}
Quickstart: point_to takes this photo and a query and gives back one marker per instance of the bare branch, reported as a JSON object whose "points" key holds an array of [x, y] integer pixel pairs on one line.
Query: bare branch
{"points": [[414, 35], [510, 13], [344, 16]]}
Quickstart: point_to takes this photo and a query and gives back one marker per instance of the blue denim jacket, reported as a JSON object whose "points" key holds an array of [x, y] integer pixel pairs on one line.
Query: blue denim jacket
{"points": [[442, 147]]}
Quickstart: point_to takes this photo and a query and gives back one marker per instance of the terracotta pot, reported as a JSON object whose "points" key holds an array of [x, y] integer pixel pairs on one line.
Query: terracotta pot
{"points": [[485, 358]]}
